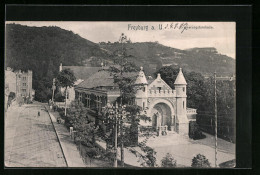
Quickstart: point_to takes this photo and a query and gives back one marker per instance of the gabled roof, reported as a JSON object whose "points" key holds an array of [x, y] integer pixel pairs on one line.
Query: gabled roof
{"points": [[180, 78], [82, 72], [102, 78], [158, 80]]}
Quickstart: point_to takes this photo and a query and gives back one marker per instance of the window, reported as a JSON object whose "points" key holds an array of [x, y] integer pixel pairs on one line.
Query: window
{"points": [[143, 105], [80, 96], [98, 103], [183, 104], [23, 90], [159, 88], [183, 89], [143, 89], [87, 100], [24, 78], [24, 84], [76, 95]]}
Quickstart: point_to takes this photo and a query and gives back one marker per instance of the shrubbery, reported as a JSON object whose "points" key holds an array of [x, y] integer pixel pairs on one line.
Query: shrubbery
{"points": [[200, 161], [195, 132], [168, 161]]}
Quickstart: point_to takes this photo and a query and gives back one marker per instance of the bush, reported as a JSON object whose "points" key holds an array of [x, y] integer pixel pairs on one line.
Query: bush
{"points": [[195, 132], [228, 164], [168, 161], [200, 161]]}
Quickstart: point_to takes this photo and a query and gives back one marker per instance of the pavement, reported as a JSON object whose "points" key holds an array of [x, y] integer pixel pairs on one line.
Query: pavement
{"points": [[68, 146], [184, 149], [31, 141]]}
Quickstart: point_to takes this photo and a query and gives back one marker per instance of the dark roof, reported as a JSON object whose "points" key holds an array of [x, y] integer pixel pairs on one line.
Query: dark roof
{"points": [[101, 79], [150, 80], [82, 72]]}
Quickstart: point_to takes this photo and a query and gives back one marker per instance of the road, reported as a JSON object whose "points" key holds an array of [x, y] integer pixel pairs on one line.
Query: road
{"points": [[31, 141]]}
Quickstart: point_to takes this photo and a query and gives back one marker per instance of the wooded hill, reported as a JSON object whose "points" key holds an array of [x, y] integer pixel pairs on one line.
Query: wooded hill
{"points": [[153, 55], [42, 49]]}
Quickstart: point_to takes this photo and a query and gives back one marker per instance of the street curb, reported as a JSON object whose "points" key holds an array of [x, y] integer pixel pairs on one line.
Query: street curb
{"points": [[62, 149]]}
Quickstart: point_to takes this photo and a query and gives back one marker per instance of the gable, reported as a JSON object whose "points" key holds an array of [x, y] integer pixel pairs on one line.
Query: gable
{"points": [[158, 82]]}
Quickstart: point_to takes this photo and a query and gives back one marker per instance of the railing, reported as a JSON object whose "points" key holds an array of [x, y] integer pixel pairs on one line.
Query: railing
{"points": [[162, 130], [191, 111], [161, 93]]}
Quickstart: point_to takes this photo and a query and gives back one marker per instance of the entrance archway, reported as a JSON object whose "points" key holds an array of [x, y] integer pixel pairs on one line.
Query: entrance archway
{"points": [[161, 112]]}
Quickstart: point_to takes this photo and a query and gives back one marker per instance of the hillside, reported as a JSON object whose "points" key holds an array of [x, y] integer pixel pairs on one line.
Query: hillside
{"points": [[153, 55], [42, 49]]}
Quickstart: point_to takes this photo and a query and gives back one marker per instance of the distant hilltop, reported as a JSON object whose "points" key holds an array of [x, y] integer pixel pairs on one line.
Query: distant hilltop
{"points": [[203, 49]]}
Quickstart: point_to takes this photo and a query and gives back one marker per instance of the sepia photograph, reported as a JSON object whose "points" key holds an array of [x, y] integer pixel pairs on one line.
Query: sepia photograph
{"points": [[120, 94]]}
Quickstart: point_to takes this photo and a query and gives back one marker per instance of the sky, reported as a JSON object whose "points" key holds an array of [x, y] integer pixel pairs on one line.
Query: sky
{"points": [[176, 34]]}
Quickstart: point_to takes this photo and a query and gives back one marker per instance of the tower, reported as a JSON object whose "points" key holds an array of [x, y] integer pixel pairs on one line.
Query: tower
{"points": [[182, 123], [141, 94]]}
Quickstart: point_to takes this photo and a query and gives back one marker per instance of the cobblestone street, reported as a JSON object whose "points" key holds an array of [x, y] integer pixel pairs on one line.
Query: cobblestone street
{"points": [[30, 140]]}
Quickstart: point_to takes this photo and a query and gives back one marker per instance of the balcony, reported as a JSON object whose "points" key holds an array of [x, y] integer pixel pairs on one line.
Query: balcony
{"points": [[191, 111]]}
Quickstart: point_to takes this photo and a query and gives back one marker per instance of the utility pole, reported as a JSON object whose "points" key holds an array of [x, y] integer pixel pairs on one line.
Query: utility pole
{"points": [[216, 119], [122, 39], [66, 94], [116, 115], [216, 116], [53, 89], [112, 111]]}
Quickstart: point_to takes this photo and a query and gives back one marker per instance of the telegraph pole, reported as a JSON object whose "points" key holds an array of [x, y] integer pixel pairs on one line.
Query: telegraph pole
{"points": [[216, 116], [116, 113], [53, 89], [66, 94], [216, 120], [122, 39]]}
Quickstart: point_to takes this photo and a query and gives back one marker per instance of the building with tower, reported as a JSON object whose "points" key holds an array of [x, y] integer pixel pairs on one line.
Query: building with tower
{"points": [[166, 107]]}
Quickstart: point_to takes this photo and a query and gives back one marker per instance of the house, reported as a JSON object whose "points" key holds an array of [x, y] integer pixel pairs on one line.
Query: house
{"points": [[81, 73], [19, 82]]}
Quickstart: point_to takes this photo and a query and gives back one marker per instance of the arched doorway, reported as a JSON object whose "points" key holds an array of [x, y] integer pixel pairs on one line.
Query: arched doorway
{"points": [[162, 115]]}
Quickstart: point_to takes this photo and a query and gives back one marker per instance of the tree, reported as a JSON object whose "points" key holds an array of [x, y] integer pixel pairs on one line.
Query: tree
{"points": [[200, 161], [91, 153], [168, 161], [78, 118], [66, 79], [124, 76]]}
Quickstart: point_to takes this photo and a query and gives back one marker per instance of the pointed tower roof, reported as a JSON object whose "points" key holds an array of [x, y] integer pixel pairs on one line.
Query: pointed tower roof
{"points": [[180, 78], [141, 79]]}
